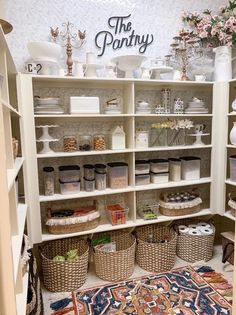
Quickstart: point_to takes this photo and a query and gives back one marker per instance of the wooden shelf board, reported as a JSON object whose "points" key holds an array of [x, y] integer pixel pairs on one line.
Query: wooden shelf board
{"points": [[182, 183], [13, 172], [129, 224], [174, 148], [163, 218], [21, 298], [228, 214], [10, 107], [231, 146], [17, 239], [230, 182], [82, 153]]}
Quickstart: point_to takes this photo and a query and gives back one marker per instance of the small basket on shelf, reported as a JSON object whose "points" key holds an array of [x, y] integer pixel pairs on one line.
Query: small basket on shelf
{"points": [[181, 204], [117, 213], [232, 204], [148, 211], [72, 221]]}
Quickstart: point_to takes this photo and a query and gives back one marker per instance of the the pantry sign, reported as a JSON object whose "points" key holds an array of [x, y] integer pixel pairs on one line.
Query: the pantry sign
{"points": [[121, 34]]}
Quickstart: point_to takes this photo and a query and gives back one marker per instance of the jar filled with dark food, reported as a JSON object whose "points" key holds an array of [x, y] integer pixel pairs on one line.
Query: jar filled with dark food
{"points": [[85, 143], [48, 177]]}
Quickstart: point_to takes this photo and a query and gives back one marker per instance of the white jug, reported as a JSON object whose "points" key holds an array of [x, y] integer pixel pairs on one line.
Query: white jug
{"points": [[146, 73], [79, 69]]}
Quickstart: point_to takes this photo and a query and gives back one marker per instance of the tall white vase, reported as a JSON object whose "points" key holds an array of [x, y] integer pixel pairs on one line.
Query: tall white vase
{"points": [[232, 135], [223, 63]]}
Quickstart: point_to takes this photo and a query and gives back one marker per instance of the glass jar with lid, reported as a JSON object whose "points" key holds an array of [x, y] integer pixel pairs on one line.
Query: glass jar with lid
{"points": [[48, 179], [85, 142], [99, 142], [113, 107], [70, 143]]}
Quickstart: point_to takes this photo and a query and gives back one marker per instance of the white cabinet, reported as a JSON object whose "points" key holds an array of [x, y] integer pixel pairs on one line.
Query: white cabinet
{"points": [[13, 211], [128, 91]]}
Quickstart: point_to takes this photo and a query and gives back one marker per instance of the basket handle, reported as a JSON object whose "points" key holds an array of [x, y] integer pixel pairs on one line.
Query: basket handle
{"points": [[230, 252], [229, 195], [195, 189], [135, 235]]}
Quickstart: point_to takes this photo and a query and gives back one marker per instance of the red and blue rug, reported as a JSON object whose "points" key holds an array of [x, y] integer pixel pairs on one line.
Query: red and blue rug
{"points": [[182, 291]]}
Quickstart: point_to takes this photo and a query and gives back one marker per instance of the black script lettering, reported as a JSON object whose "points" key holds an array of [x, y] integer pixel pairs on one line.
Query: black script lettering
{"points": [[106, 38], [120, 24], [146, 43]]}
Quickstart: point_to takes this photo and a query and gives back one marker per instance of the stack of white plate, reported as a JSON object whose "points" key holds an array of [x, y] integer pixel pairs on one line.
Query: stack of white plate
{"points": [[46, 106], [196, 107]]}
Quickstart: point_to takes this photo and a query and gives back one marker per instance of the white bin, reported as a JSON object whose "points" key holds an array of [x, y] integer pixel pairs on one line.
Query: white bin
{"points": [[190, 167]]}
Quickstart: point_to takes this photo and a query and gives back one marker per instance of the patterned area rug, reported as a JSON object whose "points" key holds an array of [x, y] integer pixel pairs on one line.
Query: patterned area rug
{"points": [[182, 291]]}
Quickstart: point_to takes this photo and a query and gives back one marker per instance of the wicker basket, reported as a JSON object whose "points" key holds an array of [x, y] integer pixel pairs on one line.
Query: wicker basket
{"points": [[179, 208], [119, 265], [228, 247], [64, 275], [156, 257], [58, 225], [193, 248]]}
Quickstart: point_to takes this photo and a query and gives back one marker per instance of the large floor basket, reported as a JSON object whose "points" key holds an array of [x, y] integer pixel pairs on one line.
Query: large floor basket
{"points": [[157, 256], [193, 248], [64, 275], [119, 265]]}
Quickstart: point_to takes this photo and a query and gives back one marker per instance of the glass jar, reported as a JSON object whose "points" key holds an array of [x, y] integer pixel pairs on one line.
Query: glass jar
{"points": [[100, 168], [48, 178], [99, 142], [85, 142], [100, 181], [89, 185], [69, 143], [89, 171]]}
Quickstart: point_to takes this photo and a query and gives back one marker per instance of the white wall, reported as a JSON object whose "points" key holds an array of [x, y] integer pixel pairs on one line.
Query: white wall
{"points": [[32, 19]]}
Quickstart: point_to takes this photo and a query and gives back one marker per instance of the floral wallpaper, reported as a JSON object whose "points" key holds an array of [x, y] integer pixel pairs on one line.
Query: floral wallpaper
{"points": [[32, 19]]}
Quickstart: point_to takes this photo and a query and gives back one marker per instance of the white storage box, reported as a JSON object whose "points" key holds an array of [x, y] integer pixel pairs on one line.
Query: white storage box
{"points": [[84, 105], [190, 167], [159, 178]]}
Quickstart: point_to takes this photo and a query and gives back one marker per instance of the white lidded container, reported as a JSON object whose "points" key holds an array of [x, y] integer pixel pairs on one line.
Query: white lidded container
{"points": [[232, 159], [190, 167], [174, 170], [142, 179], [159, 165], [117, 138], [118, 175], [84, 105], [69, 187], [159, 178], [141, 139]]}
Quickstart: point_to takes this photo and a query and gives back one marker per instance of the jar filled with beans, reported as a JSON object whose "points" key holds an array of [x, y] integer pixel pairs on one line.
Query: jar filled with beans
{"points": [[99, 142], [70, 144]]}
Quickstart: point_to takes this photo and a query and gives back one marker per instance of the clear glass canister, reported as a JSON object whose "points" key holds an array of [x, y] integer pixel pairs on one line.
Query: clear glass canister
{"points": [[69, 143], [89, 171], [85, 142], [99, 142], [89, 185], [100, 181], [48, 178]]}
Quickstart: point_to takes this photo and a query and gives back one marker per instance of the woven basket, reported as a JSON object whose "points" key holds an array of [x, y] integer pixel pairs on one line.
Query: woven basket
{"points": [[179, 208], [193, 248], [156, 257], [232, 204], [64, 275], [228, 247], [70, 228], [119, 265]]}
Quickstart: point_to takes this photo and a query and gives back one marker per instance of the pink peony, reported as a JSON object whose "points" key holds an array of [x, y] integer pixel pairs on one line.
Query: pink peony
{"points": [[184, 14]]}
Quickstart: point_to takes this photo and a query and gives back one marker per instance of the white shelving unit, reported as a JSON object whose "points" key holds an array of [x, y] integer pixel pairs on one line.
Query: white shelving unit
{"points": [[128, 90], [13, 214]]}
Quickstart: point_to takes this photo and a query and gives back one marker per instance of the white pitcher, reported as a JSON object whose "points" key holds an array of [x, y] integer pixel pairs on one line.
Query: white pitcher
{"points": [[146, 73], [79, 69], [223, 63]]}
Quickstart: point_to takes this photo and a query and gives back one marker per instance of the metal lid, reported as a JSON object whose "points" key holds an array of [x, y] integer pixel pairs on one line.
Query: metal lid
{"points": [[190, 158], [116, 164], [69, 168], [141, 162], [158, 161]]}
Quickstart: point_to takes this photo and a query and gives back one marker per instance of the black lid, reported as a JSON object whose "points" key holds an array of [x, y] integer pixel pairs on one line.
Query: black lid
{"points": [[158, 161], [141, 162], [69, 168], [159, 173], [89, 180], [190, 158], [100, 166], [137, 175], [232, 156], [115, 164], [48, 169], [174, 160], [90, 166], [75, 181]]}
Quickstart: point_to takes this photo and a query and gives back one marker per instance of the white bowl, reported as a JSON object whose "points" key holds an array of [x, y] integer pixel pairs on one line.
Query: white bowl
{"points": [[44, 51], [128, 63]]}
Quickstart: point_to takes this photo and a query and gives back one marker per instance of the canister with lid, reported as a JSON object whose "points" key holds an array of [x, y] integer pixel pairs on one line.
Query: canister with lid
{"points": [[100, 168], [174, 169], [159, 165], [100, 181], [88, 171], [89, 185], [142, 167], [118, 175], [69, 173], [190, 167], [48, 177], [70, 143]]}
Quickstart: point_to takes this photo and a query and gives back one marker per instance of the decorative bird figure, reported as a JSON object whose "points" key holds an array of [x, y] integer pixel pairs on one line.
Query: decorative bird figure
{"points": [[54, 33]]}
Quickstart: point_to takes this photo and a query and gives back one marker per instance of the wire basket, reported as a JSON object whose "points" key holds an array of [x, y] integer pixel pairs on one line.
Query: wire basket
{"points": [[118, 265], [61, 276], [156, 254]]}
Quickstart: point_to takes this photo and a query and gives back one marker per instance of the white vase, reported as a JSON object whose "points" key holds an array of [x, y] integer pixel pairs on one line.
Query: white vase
{"points": [[223, 63], [232, 135]]}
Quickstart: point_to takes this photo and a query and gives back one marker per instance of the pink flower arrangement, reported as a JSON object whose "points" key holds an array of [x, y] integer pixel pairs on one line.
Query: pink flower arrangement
{"points": [[214, 30]]}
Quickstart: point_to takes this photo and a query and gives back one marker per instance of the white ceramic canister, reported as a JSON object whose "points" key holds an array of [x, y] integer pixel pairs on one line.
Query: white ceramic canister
{"points": [[141, 139], [223, 63], [232, 135], [174, 170]]}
